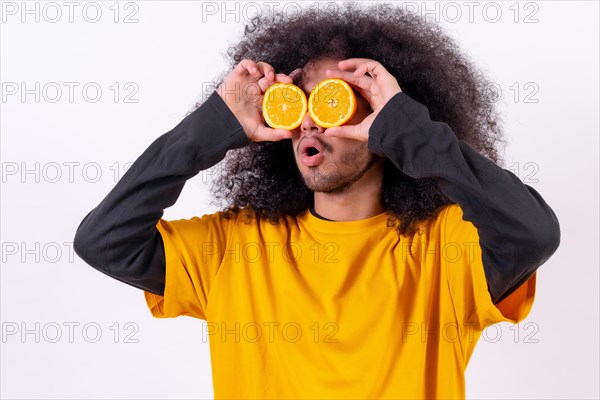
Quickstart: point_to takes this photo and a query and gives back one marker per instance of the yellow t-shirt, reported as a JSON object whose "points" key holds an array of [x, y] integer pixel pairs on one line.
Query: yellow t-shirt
{"points": [[311, 308]]}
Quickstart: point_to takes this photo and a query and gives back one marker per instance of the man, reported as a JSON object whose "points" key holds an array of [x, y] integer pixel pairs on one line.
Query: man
{"points": [[317, 281]]}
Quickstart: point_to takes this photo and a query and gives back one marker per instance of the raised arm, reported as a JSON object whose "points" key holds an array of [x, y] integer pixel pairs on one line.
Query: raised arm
{"points": [[517, 229], [119, 236]]}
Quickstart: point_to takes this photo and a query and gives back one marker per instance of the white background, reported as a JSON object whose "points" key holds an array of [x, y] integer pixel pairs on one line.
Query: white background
{"points": [[168, 54]]}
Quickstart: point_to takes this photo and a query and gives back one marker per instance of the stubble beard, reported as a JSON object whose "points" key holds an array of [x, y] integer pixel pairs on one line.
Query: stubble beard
{"points": [[326, 178]]}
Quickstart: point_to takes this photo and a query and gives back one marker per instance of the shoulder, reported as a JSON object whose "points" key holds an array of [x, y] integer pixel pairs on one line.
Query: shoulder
{"points": [[248, 217], [440, 216], [234, 214], [451, 212], [219, 220]]}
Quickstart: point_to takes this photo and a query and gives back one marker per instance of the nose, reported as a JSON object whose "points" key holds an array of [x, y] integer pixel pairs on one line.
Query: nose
{"points": [[309, 126]]}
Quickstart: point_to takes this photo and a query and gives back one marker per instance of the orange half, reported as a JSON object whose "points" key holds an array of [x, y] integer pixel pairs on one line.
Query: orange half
{"points": [[332, 103], [284, 106]]}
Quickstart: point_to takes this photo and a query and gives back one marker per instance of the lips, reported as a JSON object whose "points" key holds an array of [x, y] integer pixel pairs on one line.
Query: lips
{"points": [[311, 151]]}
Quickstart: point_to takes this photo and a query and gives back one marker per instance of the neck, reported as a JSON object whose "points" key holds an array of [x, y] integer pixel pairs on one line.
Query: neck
{"points": [[359, 201]]}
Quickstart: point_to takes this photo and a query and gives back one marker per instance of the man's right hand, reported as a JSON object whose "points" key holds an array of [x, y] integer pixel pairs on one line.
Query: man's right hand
{"points": [[243, 90]]}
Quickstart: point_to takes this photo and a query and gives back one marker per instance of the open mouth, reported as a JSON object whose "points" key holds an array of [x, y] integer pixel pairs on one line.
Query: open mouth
{"points": [[311, 151]]}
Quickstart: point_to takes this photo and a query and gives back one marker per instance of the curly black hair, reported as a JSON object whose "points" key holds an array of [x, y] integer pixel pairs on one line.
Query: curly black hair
{"points": [[430, 68]]}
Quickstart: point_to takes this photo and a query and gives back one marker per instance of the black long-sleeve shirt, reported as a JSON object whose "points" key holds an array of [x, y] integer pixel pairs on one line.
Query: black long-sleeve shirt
{"points": [[518, 231]]}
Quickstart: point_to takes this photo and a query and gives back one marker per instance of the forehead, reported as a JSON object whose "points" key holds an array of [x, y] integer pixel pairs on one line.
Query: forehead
{"points": [[314, 72]]}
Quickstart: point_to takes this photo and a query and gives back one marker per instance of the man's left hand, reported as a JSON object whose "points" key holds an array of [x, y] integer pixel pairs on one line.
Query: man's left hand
{"points": [[374, 83]]}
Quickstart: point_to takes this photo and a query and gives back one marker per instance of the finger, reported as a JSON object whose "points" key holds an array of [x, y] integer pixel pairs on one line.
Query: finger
{"points": [[362, 82], [264, 83], [352, 64], [362, 66], [346, 132], [247, 67], [264, 133], [267, 70], [295, 74], [374, 69], [283, 78]]}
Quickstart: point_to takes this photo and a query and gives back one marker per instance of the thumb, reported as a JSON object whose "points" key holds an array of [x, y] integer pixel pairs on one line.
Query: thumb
{"points": [[345, 131], [265, 134]]}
